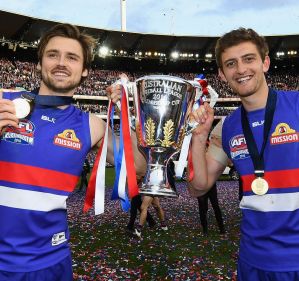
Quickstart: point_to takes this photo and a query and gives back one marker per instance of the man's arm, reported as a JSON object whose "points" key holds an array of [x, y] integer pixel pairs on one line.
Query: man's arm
{"points": [[207, 168], [208, 164]]}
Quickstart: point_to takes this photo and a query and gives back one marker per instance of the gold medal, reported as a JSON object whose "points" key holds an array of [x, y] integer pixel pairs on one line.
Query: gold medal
{"points": [[259, 186], [22, 107]]}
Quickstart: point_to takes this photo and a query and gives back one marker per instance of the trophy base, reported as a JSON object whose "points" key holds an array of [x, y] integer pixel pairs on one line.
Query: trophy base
{"points": [[155, 190]]}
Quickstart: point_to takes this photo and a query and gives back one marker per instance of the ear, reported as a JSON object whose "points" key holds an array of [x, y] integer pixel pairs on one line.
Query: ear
{"points": [[221, 75], [85, 72], [38, 67], [266, 64]]}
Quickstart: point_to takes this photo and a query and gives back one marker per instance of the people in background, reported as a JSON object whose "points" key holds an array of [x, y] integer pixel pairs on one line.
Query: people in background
{"points": [[203, 206], [84, 175], [149, 200]]}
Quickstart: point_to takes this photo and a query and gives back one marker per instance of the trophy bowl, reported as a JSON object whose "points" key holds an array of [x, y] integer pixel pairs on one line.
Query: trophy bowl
{"points": [[162, 104]]}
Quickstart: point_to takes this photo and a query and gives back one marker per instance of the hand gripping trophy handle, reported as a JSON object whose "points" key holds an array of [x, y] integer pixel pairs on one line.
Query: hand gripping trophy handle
{"points": [[201, 96], [180, 165], [129, 88]]}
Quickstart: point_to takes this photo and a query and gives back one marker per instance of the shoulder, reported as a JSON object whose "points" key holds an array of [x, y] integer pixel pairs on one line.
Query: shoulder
{"points": [[97, 128], [232, 118], [95, 120], [287, 99], [217, 131], [287, 94]]}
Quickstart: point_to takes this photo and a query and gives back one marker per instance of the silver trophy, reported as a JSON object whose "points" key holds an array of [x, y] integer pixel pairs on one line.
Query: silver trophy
{"points": [[162, 104]]}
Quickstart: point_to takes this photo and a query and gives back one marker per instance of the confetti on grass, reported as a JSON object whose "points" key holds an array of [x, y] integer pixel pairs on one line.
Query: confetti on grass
{"points": [[103, 250]]}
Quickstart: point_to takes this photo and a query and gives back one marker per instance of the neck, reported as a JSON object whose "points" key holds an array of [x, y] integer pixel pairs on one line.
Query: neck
{"points": [[45, 91], [258, 100], [49, 97]]}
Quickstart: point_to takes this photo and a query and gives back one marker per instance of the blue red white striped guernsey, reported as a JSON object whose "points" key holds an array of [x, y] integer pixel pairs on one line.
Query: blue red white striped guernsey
{"points": [[270, 223], [40, 164]]}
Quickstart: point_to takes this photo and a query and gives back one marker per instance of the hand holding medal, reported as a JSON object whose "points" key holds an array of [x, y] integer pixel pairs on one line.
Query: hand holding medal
{"points": [[24, 104], [22, 107], [7, 114], [13, 110]]}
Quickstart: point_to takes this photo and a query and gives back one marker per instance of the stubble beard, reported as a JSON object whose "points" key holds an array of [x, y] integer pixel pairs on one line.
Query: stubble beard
{"points": [[50, 84], [246, 94]]}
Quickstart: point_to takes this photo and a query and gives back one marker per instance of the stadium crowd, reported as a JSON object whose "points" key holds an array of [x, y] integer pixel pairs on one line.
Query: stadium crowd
{"points": [[24, 74], [20, 74]]}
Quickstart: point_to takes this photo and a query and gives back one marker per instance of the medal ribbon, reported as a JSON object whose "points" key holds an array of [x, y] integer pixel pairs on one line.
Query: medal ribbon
{"points": [[128, 150], [139, 118], [190, 165], [256, 156], [96, 185], [119, 187], [48, 100]]}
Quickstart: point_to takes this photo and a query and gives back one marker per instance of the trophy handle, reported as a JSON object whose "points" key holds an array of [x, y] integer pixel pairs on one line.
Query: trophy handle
{"points": [[130, 87], [190, 126], [124, 82], [213, 99]]}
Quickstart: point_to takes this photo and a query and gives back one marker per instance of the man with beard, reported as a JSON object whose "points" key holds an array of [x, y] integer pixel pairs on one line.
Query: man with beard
{"points": [[41, 159], [261, 139]]}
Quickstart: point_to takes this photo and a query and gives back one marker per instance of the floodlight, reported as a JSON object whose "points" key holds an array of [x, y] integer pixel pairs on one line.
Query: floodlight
{"points": [[174, 55], [103, 51]]}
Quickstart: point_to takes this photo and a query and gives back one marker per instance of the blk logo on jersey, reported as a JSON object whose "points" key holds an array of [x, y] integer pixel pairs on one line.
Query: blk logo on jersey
{"points": [[258, 123], [24, 134], [49, 119], [68, 139], [283, 134], [238, 147]]}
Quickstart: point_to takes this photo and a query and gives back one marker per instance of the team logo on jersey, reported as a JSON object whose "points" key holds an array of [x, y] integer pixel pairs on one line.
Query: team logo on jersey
{"points": [[238, 147], [68, 139], [58, 238], [283, 134], [24, 134]]}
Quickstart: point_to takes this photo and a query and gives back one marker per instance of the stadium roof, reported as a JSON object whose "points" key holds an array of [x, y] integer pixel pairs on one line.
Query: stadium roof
{"points": [[24, 29]]}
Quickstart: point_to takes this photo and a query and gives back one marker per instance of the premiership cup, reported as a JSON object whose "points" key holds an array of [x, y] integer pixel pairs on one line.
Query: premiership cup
{"points": [[162, 104]]}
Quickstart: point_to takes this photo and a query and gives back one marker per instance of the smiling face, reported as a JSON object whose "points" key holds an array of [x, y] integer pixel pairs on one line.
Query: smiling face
{"points": [[243, 69], [61, 66]]}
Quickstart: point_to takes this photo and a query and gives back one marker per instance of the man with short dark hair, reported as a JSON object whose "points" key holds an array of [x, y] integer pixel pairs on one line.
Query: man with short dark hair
{"points": [[261, 139]]}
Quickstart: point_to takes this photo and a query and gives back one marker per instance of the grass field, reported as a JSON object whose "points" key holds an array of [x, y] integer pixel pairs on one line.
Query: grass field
{"points": [[102, 250]]}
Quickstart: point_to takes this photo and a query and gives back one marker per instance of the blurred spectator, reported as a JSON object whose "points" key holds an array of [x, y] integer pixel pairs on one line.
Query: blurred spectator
{"points": [[84, 175], [203, 206]]}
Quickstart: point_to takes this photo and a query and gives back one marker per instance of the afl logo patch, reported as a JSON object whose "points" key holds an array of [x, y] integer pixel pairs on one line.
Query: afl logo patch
{"points": [[68, 139], [24, 134], [238, 147]]}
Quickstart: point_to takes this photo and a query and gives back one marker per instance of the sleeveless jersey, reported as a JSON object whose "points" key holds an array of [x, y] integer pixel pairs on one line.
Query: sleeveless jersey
{"points": [[270, 223], [40, 164]]}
